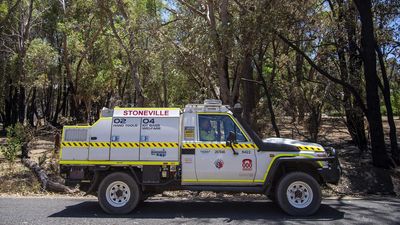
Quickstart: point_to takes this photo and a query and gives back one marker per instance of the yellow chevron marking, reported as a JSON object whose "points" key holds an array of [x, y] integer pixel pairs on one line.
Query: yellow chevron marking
{"points": [[217, 146], [160, 145], [310, 148], [125, 144]]}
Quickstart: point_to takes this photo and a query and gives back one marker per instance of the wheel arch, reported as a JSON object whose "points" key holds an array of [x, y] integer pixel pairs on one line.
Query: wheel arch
{"points": [[284, 165], [99, 173]]}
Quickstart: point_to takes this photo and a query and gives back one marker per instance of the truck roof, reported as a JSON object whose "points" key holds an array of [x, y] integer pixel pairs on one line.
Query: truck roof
{"points": [[209, 105]]}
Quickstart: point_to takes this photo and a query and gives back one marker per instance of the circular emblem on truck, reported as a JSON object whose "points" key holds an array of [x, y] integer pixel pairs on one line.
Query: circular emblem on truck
{"points": [[219, 163], [247, 164]]}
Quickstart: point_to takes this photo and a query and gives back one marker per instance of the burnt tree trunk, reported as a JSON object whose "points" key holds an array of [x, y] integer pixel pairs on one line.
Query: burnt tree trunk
{"points": [[379, 155], [386, 95], [221, 48], [248, 90], [32, 109], [350, 72], [356, 118], [44, 180]]}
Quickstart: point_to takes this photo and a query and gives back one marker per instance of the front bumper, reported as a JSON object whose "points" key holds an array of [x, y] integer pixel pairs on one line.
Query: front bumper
{"points": [[333, 171]]}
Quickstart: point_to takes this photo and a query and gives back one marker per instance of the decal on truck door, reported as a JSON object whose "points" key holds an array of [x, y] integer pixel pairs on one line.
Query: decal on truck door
{"points": [[247, 165], [188, 133], [219, 163]]}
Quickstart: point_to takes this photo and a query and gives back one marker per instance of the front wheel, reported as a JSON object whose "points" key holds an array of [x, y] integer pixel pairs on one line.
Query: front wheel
{"points": [[298, 194], [118, 193]]}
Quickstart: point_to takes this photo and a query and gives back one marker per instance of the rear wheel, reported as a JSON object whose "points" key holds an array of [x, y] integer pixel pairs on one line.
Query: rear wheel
{"points": [[298, 194], [118, 193]]}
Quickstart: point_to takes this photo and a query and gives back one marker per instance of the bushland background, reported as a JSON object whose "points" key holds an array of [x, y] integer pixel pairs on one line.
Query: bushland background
{"points": [[325, 71]]}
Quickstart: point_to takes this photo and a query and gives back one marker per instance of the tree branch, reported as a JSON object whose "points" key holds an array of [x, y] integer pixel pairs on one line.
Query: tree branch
{"points": [[325, 73], [193, 9]]}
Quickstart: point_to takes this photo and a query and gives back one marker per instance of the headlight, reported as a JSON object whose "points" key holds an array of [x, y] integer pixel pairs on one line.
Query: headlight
{"points": [[321, 154], [330, 151]]}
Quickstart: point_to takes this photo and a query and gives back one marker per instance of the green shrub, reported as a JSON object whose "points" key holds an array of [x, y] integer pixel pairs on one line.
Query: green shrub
{"points": [[395, 98], [12, 147], [17, 138], [20, 132]]}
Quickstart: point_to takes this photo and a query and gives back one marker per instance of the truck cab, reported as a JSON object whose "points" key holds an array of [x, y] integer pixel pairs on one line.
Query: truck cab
{"points": [[216, 150], [132, 153]]}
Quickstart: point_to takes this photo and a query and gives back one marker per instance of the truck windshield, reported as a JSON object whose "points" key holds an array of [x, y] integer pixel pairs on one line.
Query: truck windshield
{"points": [[217, 128]]}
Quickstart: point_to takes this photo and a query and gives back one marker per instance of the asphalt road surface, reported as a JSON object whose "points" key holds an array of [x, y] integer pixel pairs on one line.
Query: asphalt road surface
{"points": [[61, 211]]}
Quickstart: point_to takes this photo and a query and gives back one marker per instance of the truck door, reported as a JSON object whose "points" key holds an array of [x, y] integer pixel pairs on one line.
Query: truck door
{"points": [[125, 137], [99, 148], [215, 162]]}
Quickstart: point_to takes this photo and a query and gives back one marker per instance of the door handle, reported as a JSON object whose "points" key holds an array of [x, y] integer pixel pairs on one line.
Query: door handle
{"points": [[93, 138]]}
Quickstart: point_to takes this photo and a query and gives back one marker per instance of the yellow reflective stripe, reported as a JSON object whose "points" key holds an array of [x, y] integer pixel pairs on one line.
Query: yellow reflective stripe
{"points": [[102, 118], [87, 162], [283, 155], [217, 180], [310, 148], [159, 144], [249, 146], [74, 144], [144, 144], [77, 126], [124, 144], [189, 145], [189, 180], [153, 145]]}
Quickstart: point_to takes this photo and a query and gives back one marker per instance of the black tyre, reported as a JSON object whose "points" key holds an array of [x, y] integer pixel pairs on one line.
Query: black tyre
{"points": [[298, 194], [271, 196], [119, 193]]}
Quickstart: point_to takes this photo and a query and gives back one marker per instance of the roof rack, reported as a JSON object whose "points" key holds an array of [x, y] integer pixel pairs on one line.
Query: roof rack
{"points": [[209, 105], [213, 102]]}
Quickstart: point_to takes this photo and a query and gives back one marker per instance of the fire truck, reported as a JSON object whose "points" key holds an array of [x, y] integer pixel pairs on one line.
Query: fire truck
{"points": [[130, 154]]}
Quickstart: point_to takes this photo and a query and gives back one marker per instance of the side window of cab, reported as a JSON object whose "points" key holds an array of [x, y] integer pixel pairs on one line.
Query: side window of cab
{"points": [[217, 128]]}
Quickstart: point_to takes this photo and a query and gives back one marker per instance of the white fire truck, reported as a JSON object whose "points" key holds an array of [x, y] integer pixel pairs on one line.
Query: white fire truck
{"points": [[132, 153]]}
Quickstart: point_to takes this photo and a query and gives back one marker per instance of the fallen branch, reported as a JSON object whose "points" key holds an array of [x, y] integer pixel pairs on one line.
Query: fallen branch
{"points": [[44, 180]]}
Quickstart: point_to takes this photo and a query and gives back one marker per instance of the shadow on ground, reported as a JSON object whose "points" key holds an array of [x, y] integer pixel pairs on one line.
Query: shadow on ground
{"points": [[200, 210]]}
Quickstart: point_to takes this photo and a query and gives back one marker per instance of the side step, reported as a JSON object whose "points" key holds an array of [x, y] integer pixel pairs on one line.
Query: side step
{"points": [[253, 190]]}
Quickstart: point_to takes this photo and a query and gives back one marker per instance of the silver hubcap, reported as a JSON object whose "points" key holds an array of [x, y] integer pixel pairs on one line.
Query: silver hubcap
{"points": [[118, 194], [299, 194]]}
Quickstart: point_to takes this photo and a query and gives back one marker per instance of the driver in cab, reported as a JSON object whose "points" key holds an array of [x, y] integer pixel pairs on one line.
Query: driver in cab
{"points": [[207, 133]]}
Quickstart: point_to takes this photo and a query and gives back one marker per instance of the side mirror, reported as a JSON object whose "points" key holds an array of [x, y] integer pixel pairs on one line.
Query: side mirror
{"points": [[231, 139]]}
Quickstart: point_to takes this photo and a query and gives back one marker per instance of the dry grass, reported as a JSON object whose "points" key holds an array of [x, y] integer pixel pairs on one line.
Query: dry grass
{"points": [[359, 178], [18, 180]]}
